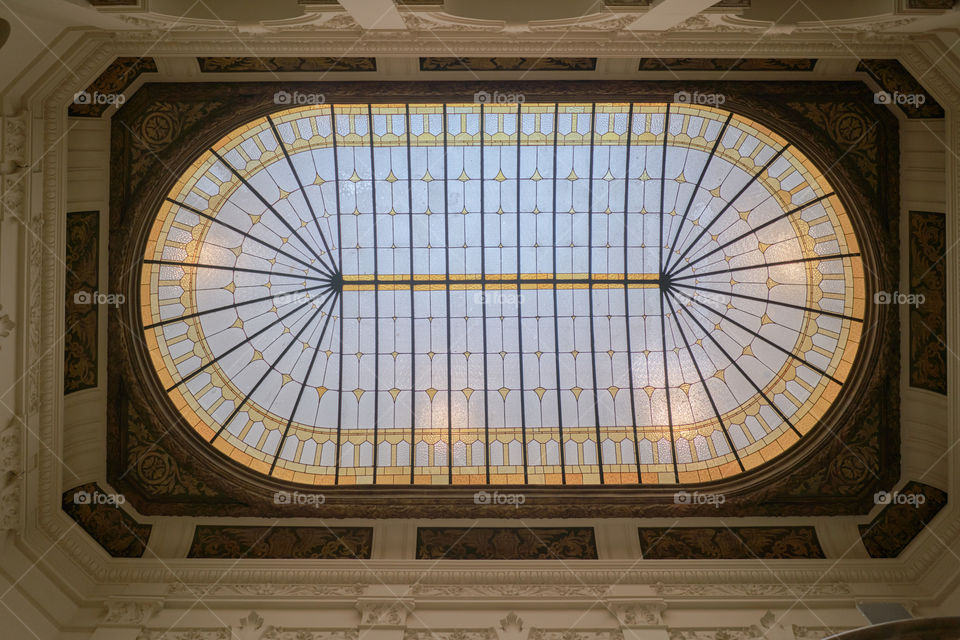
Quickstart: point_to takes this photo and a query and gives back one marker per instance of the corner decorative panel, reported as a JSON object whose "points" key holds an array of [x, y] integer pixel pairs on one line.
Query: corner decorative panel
{"points": [[101, 94], [902, 519], [894, 78], [99, 514]]}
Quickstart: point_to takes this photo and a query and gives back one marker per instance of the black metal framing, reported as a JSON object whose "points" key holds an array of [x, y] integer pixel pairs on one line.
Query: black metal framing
{"points": [[332, 286]]}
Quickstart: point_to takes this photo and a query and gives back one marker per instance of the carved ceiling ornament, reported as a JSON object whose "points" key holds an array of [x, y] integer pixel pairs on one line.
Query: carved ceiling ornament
{"points": [[13, 164], [128, 612], [389, 613], [637, 614]]}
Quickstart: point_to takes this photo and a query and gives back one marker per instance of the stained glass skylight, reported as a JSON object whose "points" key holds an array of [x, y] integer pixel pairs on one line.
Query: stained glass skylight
{"points": [[502, 294]]}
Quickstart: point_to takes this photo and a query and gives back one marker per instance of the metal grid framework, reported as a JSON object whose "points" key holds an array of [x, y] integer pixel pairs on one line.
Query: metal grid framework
{"points": [[550, 293]]}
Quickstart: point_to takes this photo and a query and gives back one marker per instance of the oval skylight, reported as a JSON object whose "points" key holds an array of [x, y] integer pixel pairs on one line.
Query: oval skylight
{"points": [[531, 331]]}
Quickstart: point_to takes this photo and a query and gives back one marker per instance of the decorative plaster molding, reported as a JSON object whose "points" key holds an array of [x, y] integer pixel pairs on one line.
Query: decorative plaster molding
{"points": [[126, 612], [13, 164], [511, 591], [11, 466], [579, 634], [185, 634], [250, 627], [511, 624], [379, 613], [638, 614], [11, 441], [7, 325], [284, 591], [283, 633], [769, 589], [452, 634]]}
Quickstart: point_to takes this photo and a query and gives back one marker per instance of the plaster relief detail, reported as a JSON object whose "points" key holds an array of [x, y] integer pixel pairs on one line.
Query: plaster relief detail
{"points": [[633, 615], [122, 612], [391, 613]]}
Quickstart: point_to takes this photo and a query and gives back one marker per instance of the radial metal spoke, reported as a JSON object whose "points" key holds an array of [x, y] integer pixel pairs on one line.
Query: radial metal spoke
{"points": [[248, 339], [271, 367], [703, 381], [303, 189], [769, 301], [757, 335], [247, 235], [223, 267], [705, 229], [774, 220], [743, 374], [231, 306], [666, 382], [303, 385], [663, 184], [270, 207], [765, 265], [693, 194]]}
